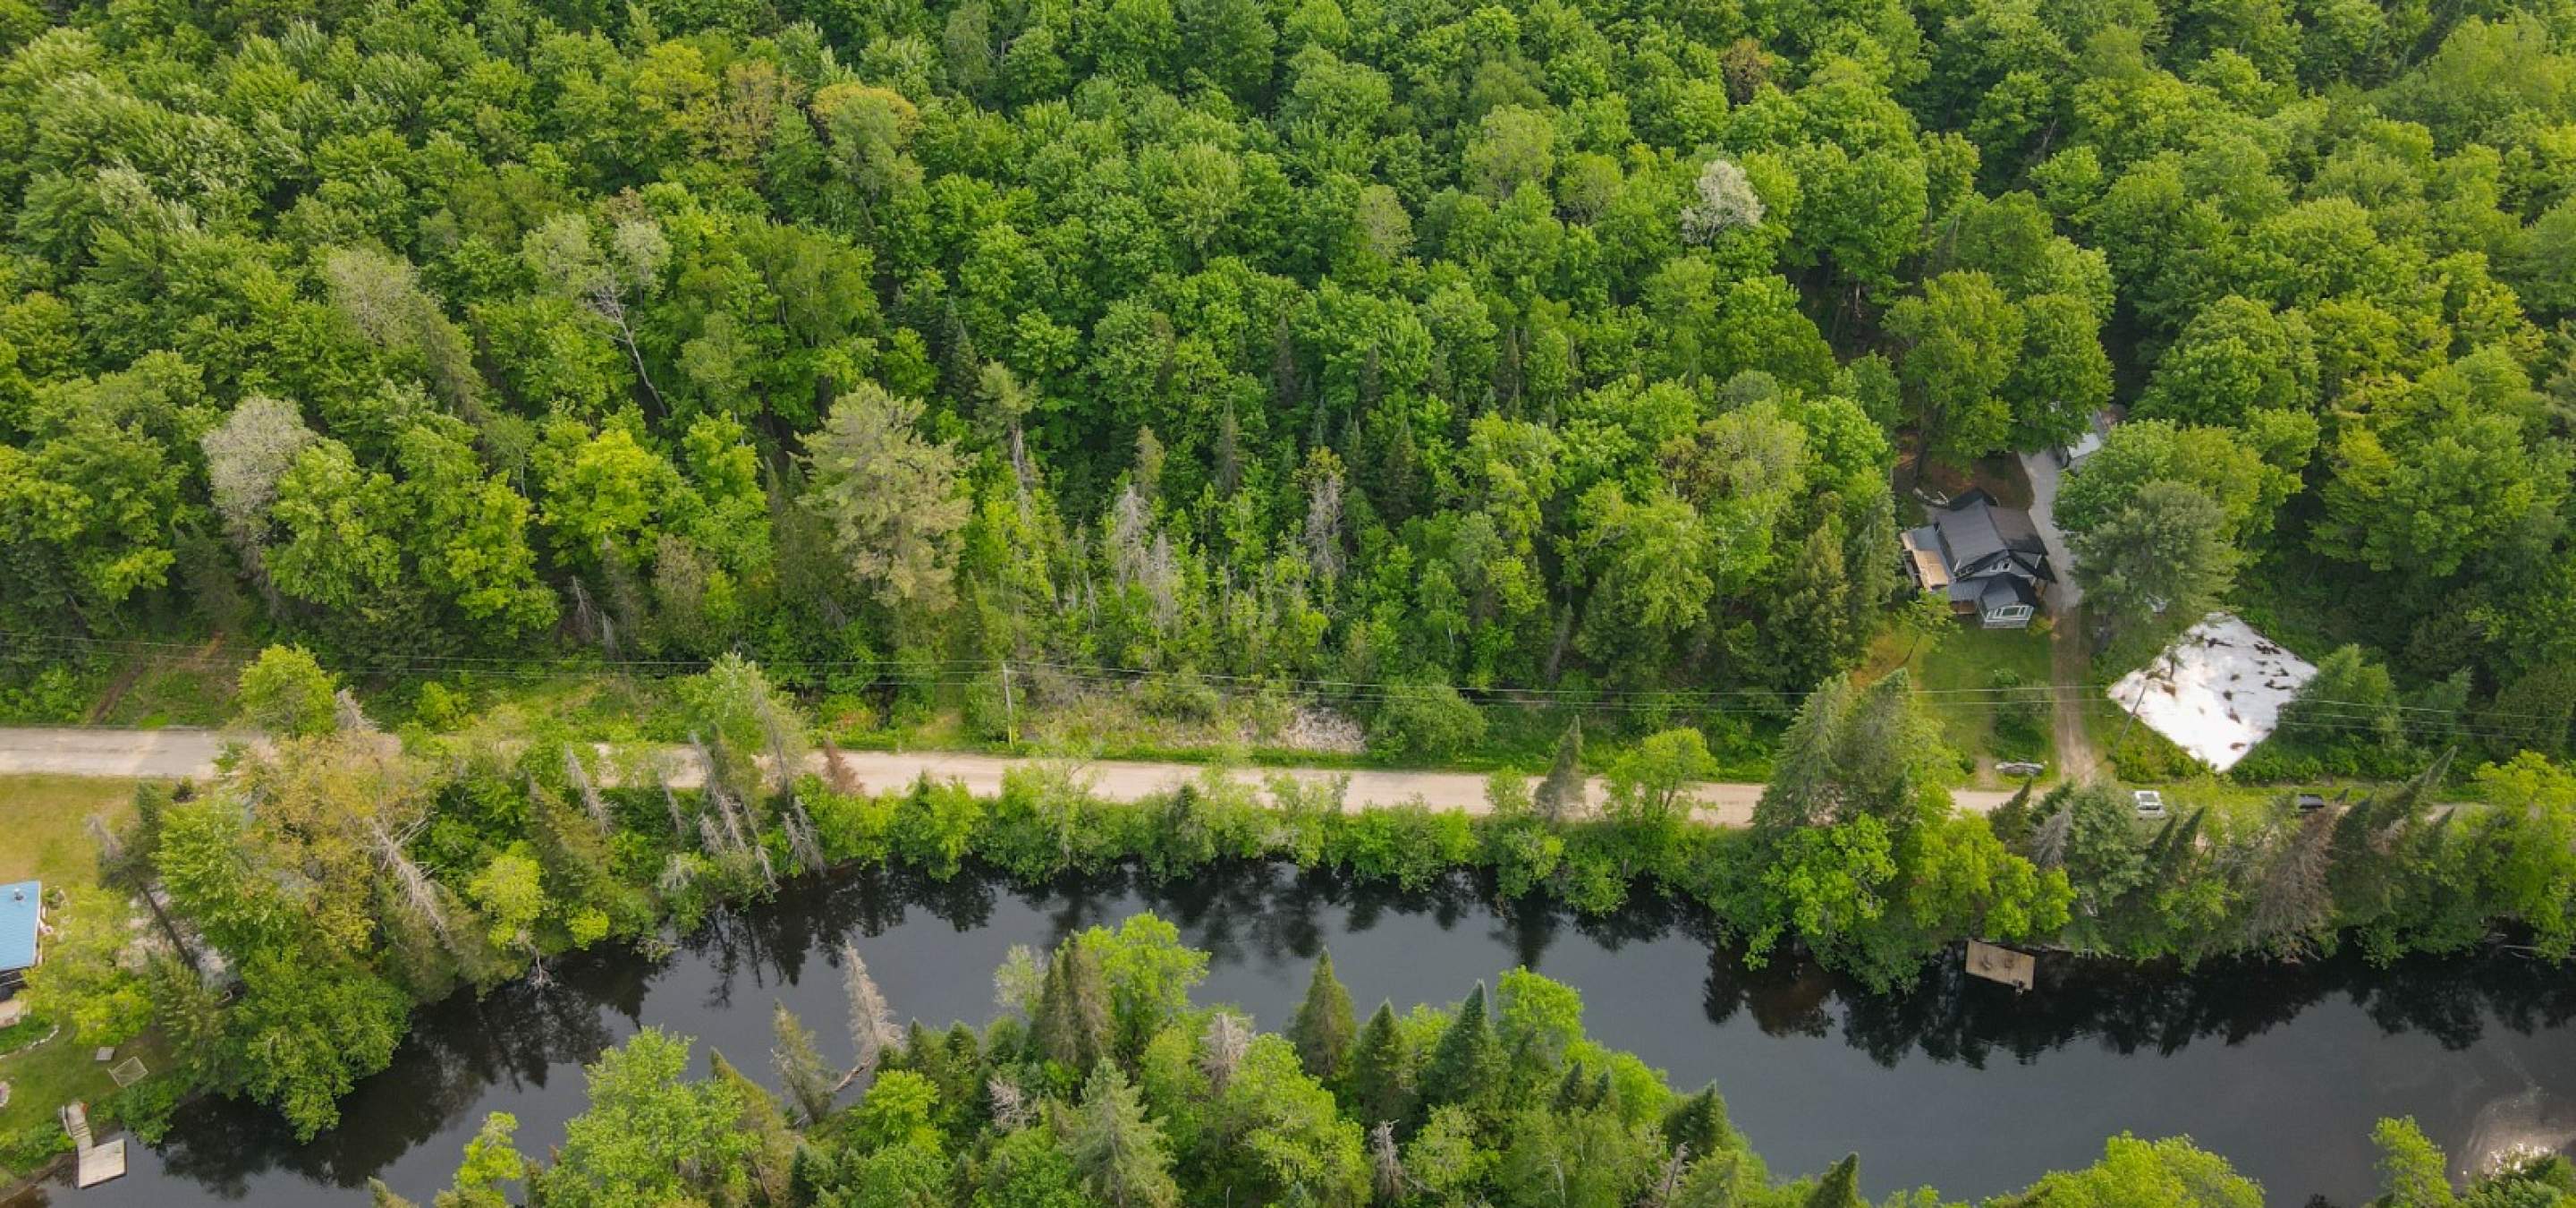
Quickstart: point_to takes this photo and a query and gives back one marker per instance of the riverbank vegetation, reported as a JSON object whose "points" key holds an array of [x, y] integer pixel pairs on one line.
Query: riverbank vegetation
{"points": [[338, 876], [1101, 1082], [1386, 357]]}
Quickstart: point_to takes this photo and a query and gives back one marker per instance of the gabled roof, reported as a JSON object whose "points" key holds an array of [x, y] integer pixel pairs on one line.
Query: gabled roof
{"points": [[1981, 537], [21, 910]]}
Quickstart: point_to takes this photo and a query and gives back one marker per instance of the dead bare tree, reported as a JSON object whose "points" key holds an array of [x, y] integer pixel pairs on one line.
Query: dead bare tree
{"points": [[2048, 839], [351, 718], [1669, 1182], [678, 873], [872, 1029], [802, 839], [836, 770], [671, 801], [1388, 1165], [1223, 1047], [1011, 1107], [593, 801], [110, 848], [417, 889]]}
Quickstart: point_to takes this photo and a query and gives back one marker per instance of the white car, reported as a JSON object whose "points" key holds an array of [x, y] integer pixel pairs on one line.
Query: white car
{"points": [[2151, 804]]}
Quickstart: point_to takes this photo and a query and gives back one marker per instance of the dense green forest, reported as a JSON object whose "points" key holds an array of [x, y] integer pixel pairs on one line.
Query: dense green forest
{"points": [[1102, 1084], [1395, 353], [1405, 347]]}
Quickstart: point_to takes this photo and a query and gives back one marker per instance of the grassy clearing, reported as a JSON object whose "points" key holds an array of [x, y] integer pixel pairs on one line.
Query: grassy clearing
{"points": [[1967, 660], [45, 835], [177, 693]]}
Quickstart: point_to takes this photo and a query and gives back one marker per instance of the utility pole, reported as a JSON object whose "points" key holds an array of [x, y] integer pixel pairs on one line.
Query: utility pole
{"points": [[1010, 715], [2165, 660]]}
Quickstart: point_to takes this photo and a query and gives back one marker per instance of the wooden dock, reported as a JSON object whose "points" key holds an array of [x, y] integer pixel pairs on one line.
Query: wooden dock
{"points": [[97, 1163]]}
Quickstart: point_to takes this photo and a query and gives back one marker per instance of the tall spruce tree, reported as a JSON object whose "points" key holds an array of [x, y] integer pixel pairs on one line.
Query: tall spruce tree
{"points": [[1465, 1063], [1561, 793], [1378, 1084], [1700, 1122], [1801, 792], [2012, 821], [1117, 1150], [1323, 1027], [1072, 1024], [1840, 1188]]}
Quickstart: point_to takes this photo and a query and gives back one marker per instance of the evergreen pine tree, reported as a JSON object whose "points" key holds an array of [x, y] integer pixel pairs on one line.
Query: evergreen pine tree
{"points": [[1323, 1027], [772, 1144], [1801, 792], [808, 1174], [1840, 1188], [1118, 1151], [1574, 1090], [1876, 754], [1072, 1024], [2176, 845], [1700, 1122], [1810, 635], [918, 1052], [1562, 792], [1462, 1068], [1376, 1084], [2012, 820]]}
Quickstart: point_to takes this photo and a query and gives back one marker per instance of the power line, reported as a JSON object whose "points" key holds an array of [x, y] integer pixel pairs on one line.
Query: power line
{"points": [[2311, 713]]}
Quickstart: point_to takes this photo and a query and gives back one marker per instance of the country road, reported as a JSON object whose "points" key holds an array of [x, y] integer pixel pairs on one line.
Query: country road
{"points": [[171, 754]]}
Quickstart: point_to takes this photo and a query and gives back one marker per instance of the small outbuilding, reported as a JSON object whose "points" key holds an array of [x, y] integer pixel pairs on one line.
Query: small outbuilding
{"points": [[22, 920], [2074, 453]]}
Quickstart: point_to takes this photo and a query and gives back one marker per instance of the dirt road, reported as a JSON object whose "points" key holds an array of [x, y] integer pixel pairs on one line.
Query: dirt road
{"points": [[137, 754], [170, 754], [2066, 654]]}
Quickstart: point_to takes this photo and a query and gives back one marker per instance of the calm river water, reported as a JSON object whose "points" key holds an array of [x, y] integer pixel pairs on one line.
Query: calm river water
{"points": [[1961, 1085]]}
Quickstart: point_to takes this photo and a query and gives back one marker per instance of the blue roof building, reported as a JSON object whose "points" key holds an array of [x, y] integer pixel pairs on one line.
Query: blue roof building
{"points": [[22, 915]]}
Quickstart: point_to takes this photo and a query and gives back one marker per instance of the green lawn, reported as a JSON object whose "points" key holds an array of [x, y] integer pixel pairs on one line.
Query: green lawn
{"points": [[46, 839], [1965, 661]]}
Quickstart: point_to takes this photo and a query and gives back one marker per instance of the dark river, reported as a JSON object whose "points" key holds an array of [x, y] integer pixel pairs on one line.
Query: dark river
{"points": [[1960, 1085]]}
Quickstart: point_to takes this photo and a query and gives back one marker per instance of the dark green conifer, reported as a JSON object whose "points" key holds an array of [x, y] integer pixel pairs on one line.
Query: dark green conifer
{"points": [[1323, 1027], [1840, 1188], [1562, 792], [1072, 1023], [1700, 1122], [1463, 1067], [1378, 1084]]}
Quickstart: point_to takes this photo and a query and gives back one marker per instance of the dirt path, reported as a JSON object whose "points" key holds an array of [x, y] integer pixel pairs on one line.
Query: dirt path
{"points": [[2076, 758], [2067, 664], [116, 690], [2043, 471], [170, 754]]}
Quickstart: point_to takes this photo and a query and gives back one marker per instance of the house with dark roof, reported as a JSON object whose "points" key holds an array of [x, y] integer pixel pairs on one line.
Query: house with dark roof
{"points": [[1987, 559], [22, 921]]}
